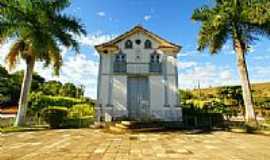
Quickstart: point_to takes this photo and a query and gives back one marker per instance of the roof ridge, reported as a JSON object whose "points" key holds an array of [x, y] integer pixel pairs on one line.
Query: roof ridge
{"points": [[143, 29]]}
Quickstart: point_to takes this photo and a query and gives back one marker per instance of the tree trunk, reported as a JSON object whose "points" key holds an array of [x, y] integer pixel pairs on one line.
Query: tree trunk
{"points": [[245, 83], [26, 85]]}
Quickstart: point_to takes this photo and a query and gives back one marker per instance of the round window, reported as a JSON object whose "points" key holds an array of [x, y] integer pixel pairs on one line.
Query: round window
{"points": [[138, 41]]}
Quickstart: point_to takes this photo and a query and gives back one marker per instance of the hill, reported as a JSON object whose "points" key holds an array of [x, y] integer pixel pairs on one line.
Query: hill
{"points": [[259, 90]]}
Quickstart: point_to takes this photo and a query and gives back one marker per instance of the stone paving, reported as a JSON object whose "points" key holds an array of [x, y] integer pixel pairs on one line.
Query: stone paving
{"points": [[90, 144]]}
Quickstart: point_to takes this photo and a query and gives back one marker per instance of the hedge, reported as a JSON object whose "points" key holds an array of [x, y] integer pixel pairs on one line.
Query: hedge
{"points": [[39, 101], [61, 117], [55, 116], [82, 122], [199, 118], [81, 110]]}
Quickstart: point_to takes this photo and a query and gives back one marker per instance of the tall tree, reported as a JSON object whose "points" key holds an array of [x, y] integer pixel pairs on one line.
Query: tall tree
{"points": [[37, 28], [242, 21], [52, 88]]}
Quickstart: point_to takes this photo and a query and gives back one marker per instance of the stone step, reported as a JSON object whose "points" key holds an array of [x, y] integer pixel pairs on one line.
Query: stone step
{"points": [[128, 123], [98, 125], [148, 129], [123, 126], [117, 129], [132, 126]]}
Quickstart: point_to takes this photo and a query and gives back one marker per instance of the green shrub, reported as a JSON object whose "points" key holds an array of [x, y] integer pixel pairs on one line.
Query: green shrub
{"points": [[81, 110], [38, 101], [201, 118], [6, 122], [79, 122], [55, 116]]}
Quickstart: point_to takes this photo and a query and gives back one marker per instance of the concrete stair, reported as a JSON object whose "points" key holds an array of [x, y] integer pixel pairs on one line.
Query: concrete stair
{"points": [[133, 126]]}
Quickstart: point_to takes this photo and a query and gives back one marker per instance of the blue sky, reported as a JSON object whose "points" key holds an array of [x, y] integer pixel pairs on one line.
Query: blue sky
{"points": [[105, 19]]}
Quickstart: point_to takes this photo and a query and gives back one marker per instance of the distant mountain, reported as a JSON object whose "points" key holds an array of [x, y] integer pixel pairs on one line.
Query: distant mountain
{"points": [[258, 90]]}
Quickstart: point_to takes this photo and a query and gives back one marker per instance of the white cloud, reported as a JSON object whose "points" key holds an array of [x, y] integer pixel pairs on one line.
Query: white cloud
{"points": [[147, 17], [260, 73], [101, 14], [78, 69], [259, 57], [185, 65], [205, 74], [94, 39], [226, 75], [190, 52], [228, 49]]}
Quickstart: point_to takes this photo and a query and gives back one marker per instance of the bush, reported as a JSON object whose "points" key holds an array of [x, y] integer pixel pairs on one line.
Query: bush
{"points": [[79, 116], [201, 118], [81, 110], [55, 116], [6, 122], [79, 122], [38, 101]]}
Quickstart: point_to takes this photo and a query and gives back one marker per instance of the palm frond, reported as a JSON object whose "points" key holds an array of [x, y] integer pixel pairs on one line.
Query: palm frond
{"points": [[13, 54], [59, 5], [42, 26], [215, 28], [201, 14], [244, 20], [70, 24]]}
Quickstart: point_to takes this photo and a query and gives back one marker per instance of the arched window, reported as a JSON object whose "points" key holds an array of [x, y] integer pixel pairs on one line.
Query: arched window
{"points": [[120, 57], [128, 44], [152, 58], [155, 63], [147, 44], [120, 63], [155, 58]]}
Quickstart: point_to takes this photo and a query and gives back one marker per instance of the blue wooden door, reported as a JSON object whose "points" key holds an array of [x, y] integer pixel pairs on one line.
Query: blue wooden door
{"points": [[138, 98]]}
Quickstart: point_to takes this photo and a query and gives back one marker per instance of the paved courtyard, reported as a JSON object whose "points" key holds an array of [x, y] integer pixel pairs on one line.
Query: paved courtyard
{"points": [[89, 144]]}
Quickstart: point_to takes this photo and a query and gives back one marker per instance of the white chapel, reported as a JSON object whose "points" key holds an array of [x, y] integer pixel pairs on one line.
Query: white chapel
{"points": [[138, 78]]}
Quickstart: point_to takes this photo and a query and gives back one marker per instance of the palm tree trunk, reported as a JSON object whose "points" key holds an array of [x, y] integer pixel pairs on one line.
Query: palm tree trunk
{"points": [[245, 83], [26, 85]]}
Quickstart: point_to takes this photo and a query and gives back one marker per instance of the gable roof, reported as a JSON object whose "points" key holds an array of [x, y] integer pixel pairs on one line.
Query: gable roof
{"points": [[164, 44]]}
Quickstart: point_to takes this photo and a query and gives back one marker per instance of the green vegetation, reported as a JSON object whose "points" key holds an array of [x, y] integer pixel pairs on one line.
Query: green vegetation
{"points": [[78, 116], [240, 21], [21, 129], [38, 101], [202, 118], [81, 110], [232, 96], [46, 98], [55, 116], [227, 101], [10, 86], [37, 29]]}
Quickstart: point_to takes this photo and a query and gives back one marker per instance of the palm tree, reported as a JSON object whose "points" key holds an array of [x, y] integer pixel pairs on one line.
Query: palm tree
{"points": [[242, 22], [37, 28]]}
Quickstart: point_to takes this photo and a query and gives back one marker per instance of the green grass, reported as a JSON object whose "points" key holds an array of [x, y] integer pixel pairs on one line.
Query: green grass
{"points": [[21, 129]]}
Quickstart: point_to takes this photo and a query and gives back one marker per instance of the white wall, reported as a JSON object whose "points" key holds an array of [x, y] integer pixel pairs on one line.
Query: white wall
{"points": [[171, 64], [156, 82], [103, 90], [172, 96], [156, 92], [138, 50], [106, 68], [119, 93]]}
